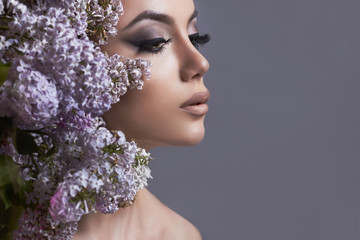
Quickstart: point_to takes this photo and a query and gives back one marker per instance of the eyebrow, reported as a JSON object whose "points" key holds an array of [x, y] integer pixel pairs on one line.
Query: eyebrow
{"points": [[157, 17]]}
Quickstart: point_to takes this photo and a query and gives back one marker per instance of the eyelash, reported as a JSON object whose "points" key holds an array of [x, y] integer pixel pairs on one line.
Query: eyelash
{"points": [[157, 45], [199, 39], [154, 46]]}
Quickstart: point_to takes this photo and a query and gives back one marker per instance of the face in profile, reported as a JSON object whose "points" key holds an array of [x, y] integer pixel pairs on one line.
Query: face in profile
{"points": [[171, 108]]}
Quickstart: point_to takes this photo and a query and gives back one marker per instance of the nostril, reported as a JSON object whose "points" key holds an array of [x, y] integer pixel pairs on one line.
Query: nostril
{"points": [[198, 75]]}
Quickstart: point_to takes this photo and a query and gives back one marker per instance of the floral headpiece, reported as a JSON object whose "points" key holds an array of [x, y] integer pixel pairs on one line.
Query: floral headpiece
{"points": [[55, 84]]}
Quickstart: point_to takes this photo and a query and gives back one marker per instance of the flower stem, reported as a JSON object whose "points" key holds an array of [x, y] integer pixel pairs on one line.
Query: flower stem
{"points": [[7, 18], [34, 163]]}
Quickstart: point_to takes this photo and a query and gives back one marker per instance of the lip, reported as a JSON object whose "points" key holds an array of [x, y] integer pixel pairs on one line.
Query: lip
{"points": [[197, 104]]}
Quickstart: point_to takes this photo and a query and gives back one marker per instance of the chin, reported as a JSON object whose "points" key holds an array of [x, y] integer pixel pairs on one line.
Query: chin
{"points": [[193, 136], [188, 134]]}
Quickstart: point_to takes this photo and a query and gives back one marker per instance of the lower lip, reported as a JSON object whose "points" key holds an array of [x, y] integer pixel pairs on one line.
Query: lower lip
{"points": [[197, 110]]}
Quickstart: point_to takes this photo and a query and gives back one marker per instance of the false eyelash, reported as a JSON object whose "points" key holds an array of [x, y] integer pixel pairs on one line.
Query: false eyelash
{"points": [[154, 46], [199, 39]]}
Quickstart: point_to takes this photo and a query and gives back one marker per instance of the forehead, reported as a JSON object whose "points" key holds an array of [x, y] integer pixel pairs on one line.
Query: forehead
{"points": [[179, 10]]}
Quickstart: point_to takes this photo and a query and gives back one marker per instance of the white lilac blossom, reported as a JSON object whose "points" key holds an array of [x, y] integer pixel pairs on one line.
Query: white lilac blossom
{"points": [[102, 17], [126, 73], [55, 85]]}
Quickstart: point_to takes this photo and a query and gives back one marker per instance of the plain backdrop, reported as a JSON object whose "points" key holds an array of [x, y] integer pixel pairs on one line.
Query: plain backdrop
{"points": [[281, 155]]}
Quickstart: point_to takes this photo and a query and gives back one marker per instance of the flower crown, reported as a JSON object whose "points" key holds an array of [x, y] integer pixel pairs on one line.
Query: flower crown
{"points": [[55, 84]]}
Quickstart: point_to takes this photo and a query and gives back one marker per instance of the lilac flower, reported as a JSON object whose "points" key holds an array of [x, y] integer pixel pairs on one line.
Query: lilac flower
{"points": [[58, 87], [61, 208], [104, 18], [94, 143], [2, 47], [1, 7], [30, 98], [58, 203], [126, 73], [33, 224], [95, 183]]}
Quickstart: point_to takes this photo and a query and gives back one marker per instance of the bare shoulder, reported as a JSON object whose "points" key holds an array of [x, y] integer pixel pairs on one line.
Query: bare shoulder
{"points": [[165, 224], [175, 227], [148, 218], [186, 231]]}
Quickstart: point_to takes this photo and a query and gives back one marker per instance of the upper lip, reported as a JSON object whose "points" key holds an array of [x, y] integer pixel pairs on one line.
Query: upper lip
{"points": [[197, 98]]}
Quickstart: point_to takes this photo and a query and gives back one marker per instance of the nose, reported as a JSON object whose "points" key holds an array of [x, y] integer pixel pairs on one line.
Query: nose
{"points": [[193, 64]]}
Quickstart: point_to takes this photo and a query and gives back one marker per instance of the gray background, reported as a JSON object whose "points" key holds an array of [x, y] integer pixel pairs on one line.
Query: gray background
{"points": [[281, 156]]}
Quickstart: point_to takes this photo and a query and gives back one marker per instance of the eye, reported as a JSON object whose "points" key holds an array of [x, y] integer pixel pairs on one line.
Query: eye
{"points": [[199, 39], [155, 45]]}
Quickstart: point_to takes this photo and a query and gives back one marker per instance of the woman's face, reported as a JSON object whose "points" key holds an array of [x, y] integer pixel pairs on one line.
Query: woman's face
{"points": [[164, 32]]}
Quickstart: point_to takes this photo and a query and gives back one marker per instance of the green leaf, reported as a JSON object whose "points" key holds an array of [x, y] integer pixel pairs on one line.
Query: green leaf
{"points": [[10, 183], [5, 124], [4, 69], [8, 171], [4, 175], [9, 219], [6, 194], [24, 142], [12, 197]]}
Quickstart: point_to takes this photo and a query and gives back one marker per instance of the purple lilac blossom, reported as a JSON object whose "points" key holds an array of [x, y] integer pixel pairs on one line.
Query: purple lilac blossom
{"points": [[36, 224], [59, 85], [31, 99]]}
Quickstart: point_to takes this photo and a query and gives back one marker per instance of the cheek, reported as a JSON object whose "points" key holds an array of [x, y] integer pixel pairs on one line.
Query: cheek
{"points": [[152, 114], [161, 120], [163, 93], [157, 108]]}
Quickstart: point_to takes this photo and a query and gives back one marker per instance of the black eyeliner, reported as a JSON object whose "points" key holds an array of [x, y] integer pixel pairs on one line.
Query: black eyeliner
{"points": [[153, 45], [149, 42]]}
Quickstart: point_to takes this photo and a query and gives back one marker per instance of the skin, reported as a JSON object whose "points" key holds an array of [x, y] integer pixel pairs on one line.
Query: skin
{"points": [[152, 117]]}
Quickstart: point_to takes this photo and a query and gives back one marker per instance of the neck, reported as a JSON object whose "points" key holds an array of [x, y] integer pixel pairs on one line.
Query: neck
{"points": [[132, 220]]}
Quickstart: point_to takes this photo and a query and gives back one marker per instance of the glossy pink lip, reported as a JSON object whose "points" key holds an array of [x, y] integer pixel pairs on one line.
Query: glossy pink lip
{"points": [[196, 105]]}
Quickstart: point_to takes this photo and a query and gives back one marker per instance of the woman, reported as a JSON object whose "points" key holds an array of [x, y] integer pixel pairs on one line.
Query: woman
{"points": [[62, 125], [170, 110]]}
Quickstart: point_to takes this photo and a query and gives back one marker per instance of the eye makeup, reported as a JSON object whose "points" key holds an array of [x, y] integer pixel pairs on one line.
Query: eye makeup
{"points": [[146, 42], [199, 39], [151, 40], [155, 45]]}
